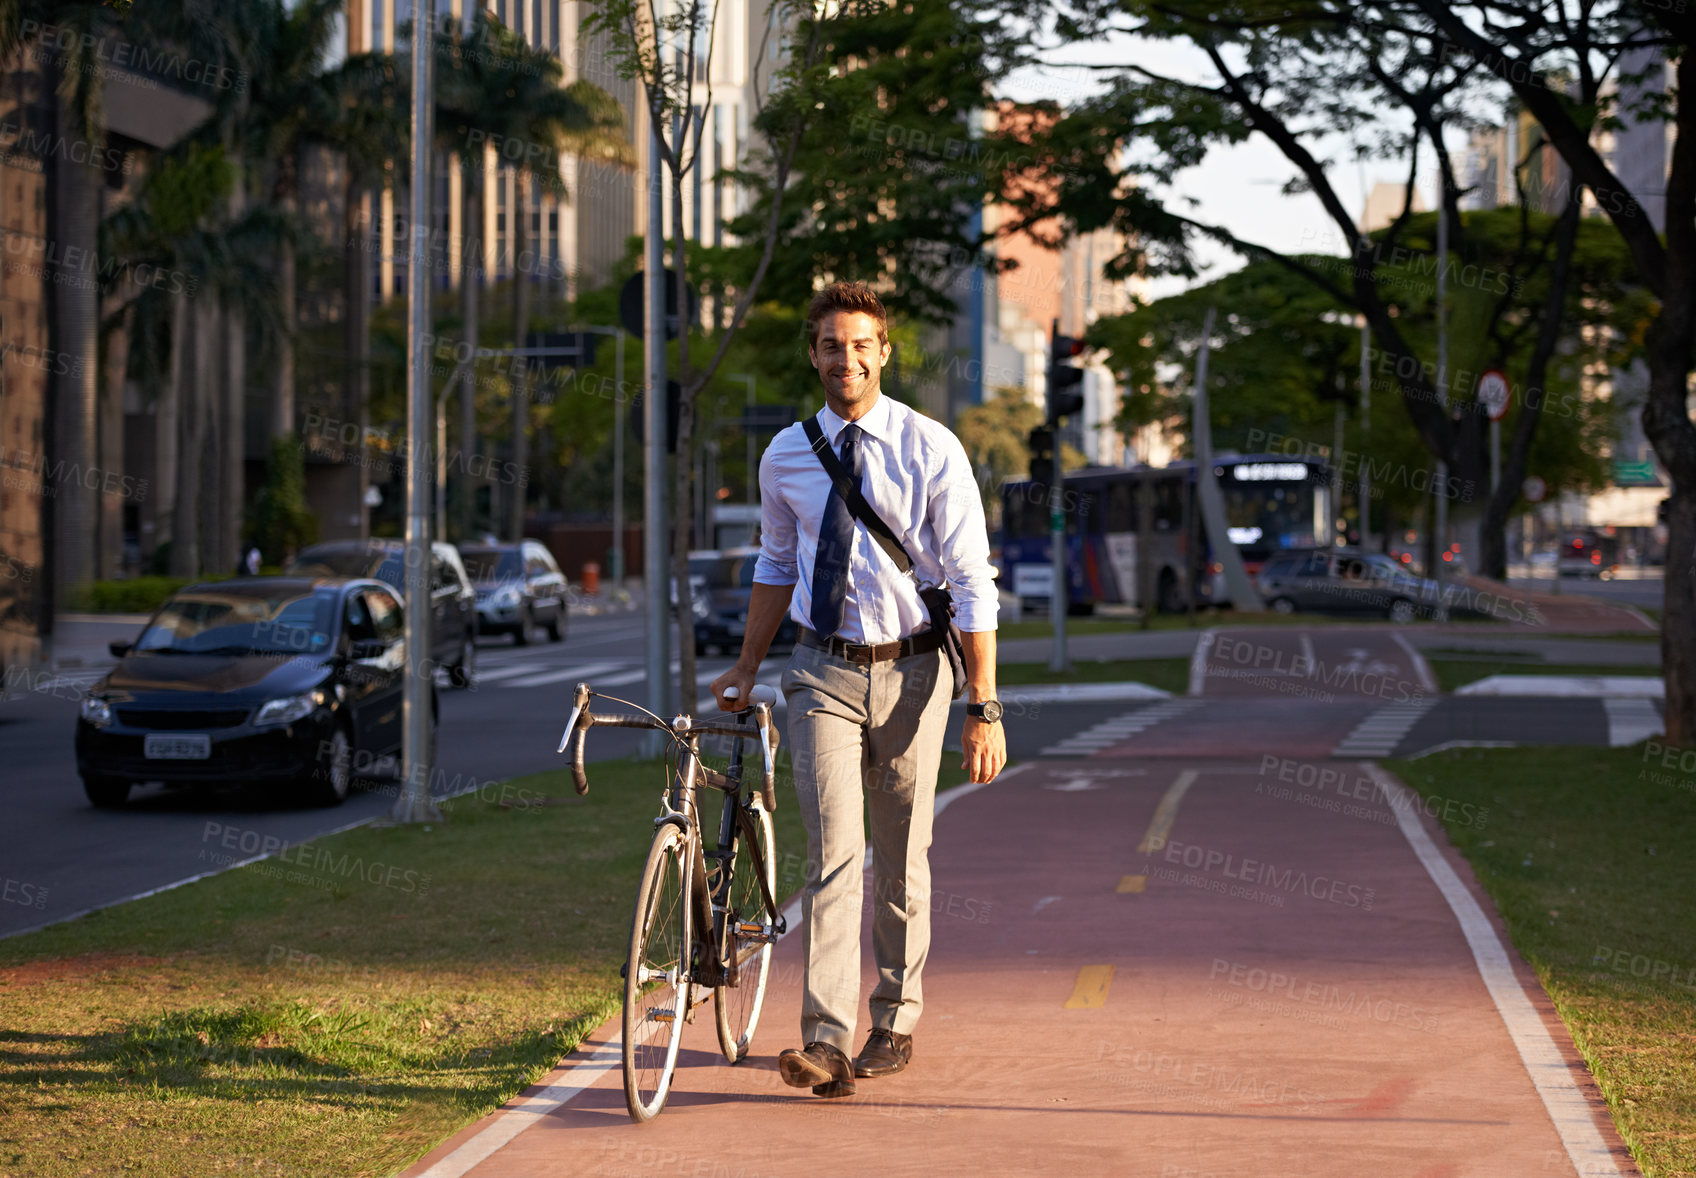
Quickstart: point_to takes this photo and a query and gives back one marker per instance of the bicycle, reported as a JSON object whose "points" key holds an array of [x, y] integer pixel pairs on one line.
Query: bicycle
{"points": [[672, 968]]}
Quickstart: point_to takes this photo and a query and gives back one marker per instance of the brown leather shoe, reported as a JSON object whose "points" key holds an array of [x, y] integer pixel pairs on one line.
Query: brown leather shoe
{"points": [[819, 1065], [884, 1054]]}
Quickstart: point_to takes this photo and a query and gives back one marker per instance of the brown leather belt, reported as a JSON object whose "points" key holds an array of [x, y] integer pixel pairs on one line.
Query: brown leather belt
{"points": [[860, 652]]}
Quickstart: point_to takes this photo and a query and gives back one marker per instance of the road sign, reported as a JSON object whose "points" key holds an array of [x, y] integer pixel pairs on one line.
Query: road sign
{"points": [[630, 307], [1493, 393], [1635, 474], [1535, 488]]}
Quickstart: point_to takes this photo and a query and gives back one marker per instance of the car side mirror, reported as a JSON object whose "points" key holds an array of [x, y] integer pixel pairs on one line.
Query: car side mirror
{"points": [[119, 647]]}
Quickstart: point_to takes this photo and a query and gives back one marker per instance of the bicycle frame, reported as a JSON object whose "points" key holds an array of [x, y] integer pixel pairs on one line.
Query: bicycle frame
{"points": [[708, 900]]}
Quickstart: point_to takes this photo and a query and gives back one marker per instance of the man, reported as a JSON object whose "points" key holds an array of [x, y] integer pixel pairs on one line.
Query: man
{"points": [[868, 686]]}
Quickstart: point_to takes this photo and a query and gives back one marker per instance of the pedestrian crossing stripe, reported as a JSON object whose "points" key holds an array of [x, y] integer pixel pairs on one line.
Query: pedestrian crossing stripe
{"points": [[1119, 729]]}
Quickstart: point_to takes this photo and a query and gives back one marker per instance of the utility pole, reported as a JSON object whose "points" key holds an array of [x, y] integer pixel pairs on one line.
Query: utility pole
{"points": [[655, 531], [414, 803]]}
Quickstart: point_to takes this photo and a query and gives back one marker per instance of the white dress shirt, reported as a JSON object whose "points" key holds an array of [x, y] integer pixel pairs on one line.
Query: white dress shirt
{"points": [[916, 475]]}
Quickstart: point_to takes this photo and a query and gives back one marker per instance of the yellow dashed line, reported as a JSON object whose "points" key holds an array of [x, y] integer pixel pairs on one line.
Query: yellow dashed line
{"points": [[1132, 883], [1165, 813], [1090, 990]]}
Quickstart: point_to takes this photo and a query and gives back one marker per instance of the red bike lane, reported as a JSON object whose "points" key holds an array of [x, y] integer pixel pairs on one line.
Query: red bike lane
{"points": [[1175, 967]]}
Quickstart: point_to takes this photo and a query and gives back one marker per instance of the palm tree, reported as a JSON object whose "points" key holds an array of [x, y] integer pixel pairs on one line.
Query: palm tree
{"points": [[186, 337], [290, 101], [73, 87], [504, 93]]}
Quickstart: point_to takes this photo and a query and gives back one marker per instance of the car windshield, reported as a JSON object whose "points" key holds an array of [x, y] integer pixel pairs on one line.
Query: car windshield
{"points": [[289, 620], [492, 564], [335, 562]]}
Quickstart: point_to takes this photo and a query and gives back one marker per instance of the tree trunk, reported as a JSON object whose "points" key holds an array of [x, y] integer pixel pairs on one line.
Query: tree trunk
{"points": [[519, 370], [287, 200], [470, 282], [682, 517], [356, 338], [185, 516], [167, 427], [233, 497], [76, 313], [1493, 539]]}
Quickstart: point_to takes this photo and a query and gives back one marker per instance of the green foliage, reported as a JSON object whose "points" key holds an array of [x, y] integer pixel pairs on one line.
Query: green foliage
{"points": [[138, 595], [280, 521], [1286, 352], [882, 183], [996, 436]]}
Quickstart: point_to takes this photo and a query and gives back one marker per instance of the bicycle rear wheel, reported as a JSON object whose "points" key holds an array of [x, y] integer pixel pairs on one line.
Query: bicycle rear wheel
{"points": [[737, 1008], [655, 987]]}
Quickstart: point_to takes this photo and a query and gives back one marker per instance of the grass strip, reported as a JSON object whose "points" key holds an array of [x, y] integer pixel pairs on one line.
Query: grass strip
{"points": [[341, 1009], [1590, 857], [1453, 673], [1171, 675]]}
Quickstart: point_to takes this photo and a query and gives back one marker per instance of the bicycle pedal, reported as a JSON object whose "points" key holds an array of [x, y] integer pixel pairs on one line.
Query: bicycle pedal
{"points": [[661, 1016], [758, 933]]}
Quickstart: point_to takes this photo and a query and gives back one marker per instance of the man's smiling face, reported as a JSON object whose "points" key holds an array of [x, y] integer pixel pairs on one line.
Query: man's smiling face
{"points": [[849, 358]]}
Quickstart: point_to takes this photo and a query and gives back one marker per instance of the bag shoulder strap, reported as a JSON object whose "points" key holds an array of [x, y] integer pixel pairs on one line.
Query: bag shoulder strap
{"points": [[854, 498]]}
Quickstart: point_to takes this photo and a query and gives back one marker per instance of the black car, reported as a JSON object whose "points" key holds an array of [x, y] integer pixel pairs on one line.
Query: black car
{"points": [[519, 589], [283, 682], [720, 584], [453, 603]]}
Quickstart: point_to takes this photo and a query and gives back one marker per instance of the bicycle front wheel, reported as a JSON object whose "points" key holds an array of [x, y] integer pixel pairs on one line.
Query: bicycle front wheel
{"points": [[655, 984], [738, 1007]]}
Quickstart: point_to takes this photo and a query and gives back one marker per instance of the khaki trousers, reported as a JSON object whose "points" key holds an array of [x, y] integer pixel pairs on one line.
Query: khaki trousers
{"points": [[865, 736]]}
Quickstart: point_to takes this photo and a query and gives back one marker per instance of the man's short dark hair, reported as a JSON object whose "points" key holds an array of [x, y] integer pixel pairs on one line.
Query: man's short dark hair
{"points": [[846, 296]]}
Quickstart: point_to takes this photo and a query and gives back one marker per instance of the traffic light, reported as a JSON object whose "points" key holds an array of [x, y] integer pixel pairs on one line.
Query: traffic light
{"points": [[1042, 455], [1062, 376]]}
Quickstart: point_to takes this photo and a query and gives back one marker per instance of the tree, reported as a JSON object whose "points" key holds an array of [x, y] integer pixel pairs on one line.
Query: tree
{"points": [[996, 436], [502, 93], [72, 84], [280, 521], [181, 223], [1523, 46], [1286, 354]]}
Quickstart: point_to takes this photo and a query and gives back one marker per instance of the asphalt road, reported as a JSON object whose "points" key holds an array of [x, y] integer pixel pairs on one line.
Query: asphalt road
{"points": [[1331, 691]]}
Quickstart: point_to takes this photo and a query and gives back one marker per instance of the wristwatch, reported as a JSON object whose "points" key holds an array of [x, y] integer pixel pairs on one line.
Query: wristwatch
{"points": [[989, 711]]}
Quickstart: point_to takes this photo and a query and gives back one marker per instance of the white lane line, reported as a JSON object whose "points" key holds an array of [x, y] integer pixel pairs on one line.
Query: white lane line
{"points": [[1198, 663], [1420, 667], [509, 1122], [582, 672], [1631, 720], [621, 678], [1567, 1107], [492, 674], [1384, 729], [1307, 655], [1119, 728]]}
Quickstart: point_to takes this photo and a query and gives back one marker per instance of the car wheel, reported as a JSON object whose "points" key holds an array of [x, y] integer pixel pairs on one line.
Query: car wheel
{"points": [[461, 673], [1401, 611], [1282, 605], [556, 627], [332, 775], [106, 793], [521, 635]]}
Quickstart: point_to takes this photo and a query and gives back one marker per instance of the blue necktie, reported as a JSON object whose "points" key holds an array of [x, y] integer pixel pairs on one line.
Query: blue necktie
{"points": [[836, 542]]}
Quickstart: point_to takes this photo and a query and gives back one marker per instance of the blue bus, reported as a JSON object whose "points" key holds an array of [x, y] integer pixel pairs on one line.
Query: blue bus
{"points": [[1271, 502]]}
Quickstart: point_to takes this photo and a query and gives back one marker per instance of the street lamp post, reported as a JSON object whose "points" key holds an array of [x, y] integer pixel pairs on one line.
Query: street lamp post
{"points": [[414, 803]]}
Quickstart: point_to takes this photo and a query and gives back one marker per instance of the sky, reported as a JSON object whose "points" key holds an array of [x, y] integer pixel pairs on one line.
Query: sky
{"points": [[1238, 187]]}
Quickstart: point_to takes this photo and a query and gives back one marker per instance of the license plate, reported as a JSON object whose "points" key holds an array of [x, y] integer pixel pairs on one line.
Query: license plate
{"points": [[177, 748]]}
